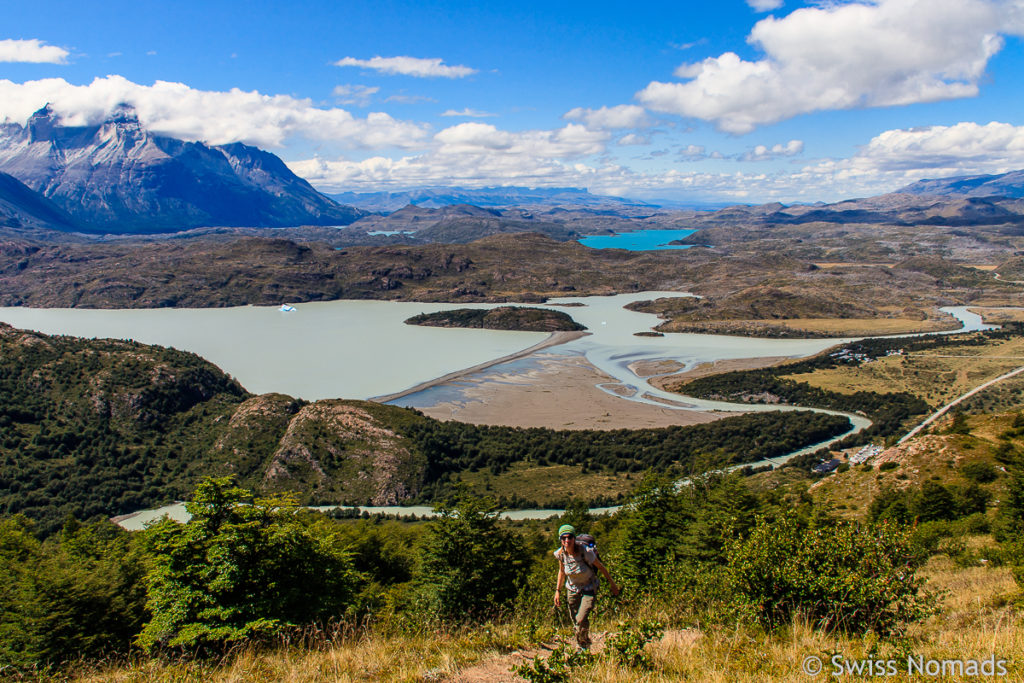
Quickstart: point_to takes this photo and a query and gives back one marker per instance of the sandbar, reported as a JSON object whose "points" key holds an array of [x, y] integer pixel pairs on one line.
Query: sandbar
{"points": [[669, 382], [558, 391], [554, 339]]}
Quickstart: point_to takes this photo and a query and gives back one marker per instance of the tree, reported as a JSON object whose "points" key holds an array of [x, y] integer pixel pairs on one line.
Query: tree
{"points": [[243, 567], [652, 525], [77, 595], [472, 567]]}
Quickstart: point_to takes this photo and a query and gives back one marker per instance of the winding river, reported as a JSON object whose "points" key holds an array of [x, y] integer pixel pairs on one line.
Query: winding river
{"points": [[362, 349]]}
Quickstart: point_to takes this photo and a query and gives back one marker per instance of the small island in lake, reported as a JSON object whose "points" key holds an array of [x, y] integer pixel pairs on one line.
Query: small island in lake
{"points": [[502, 318]]}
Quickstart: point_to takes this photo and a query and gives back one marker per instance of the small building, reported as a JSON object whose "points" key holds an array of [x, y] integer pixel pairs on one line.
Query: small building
{"points": [[826, 467]]}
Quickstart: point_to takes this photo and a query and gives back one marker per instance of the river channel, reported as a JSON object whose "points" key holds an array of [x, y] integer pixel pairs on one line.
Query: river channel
{"points": [[362, 349]]}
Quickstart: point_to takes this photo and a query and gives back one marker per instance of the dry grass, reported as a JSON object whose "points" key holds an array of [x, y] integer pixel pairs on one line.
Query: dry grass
{"points": [[821, 327], [938, 376], [999, 315], [930, 456], [551, 482], [372, 656], [974, 622]]}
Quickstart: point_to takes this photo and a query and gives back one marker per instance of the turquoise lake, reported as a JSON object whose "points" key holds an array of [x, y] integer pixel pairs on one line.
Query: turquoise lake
{"points": [[641, 240]]}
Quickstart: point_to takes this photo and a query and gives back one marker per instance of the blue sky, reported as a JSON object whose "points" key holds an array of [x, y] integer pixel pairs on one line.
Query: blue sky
{"points": [[751, 101]]}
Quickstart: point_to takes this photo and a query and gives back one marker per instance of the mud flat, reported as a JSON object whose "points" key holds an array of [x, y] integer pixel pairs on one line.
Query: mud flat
{"points": [[559, 391]]}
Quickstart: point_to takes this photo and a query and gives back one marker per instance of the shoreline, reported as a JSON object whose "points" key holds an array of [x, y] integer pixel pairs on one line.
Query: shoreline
{"points": [[554, 339]]}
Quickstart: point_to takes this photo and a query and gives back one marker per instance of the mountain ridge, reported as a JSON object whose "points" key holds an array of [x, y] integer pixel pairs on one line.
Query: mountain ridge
{"points": [[118, 177]]}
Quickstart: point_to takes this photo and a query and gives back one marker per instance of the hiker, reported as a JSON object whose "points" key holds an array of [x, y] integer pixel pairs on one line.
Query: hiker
{"points": [[576, 568]]}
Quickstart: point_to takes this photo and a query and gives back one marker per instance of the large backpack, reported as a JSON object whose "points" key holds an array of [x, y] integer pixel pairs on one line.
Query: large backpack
{"points": [[588, 542]]}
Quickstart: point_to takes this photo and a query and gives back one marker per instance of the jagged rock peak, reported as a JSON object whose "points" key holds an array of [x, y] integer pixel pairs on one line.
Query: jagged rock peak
{"points": [[43, 122], [124, 112]]}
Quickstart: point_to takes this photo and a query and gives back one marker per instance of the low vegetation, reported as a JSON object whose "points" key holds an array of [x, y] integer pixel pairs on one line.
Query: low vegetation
{"points": [[109, 427], [708, 570], [501, 318]]}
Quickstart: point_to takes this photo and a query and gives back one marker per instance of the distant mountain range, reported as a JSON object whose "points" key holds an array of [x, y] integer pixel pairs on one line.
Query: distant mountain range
{"points": [[1003, 185], [117, 177], [491, 197]]}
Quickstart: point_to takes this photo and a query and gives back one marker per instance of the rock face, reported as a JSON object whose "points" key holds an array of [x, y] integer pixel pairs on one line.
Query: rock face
{"points": [[117, 177]]}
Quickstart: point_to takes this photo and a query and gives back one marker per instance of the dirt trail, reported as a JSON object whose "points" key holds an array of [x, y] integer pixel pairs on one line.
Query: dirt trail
{"points": [[497, 669]]}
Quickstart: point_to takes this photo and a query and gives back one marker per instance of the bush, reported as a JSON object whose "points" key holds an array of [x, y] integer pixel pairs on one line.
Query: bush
{"points": [[980, 472], [472, 567], [886, 466], [845, 576], [557, 668], [241, 568], [629, 645]]}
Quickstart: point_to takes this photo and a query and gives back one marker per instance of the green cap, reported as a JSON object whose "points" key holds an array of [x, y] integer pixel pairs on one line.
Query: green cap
{"points": [[566, 529]]}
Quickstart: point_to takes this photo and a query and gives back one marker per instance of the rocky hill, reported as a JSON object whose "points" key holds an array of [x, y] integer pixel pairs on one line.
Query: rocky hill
{"points": [[1001, 185], [117, 177]]}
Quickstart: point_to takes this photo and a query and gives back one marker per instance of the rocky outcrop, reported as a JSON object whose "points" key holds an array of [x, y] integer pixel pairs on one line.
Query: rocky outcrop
{"points": [[339, 451]]}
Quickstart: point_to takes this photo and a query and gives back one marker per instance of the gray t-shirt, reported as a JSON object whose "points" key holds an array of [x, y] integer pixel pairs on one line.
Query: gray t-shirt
{"points": [[579, 575]]}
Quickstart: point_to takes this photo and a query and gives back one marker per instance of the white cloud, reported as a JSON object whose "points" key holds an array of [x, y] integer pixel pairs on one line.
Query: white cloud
{"points": [[898, 157], [693, 153], [469, 113], [479, 155], [32, 51], [634, 139], [213, 116], [842, 56], [766, 153], [409, 99], [610, 118], [409, 66], [358, 95], [764, 5], [471, 154]]}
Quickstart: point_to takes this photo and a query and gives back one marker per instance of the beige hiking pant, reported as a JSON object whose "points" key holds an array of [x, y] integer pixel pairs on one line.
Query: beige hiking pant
{"points": [[579, 612]]}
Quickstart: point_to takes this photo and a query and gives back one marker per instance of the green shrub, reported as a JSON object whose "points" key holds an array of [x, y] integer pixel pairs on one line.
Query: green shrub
{"points": [[886, 466], [629, 645], [557, 668], [840, 575], [242, 568]]}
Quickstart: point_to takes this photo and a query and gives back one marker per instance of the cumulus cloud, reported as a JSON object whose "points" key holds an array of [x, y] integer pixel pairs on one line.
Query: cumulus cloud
{"points": [[212, 116], [610, 118], [409, 66], [764, 5], [469, 113], [32, 51], [471, 154], [842, 56], [898, 157], [358, 95], [766, 153], [479, 155]]}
